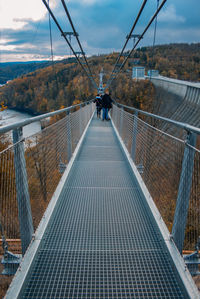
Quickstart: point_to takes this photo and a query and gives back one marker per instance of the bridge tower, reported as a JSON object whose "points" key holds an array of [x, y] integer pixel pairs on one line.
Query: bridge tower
{"points": [[101, 88]]}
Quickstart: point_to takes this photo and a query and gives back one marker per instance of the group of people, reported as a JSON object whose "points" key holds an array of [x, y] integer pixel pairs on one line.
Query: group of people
{"points": [[103, 103]]}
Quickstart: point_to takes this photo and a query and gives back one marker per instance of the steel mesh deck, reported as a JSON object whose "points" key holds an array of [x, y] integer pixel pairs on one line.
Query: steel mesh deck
{"points": [[102, 240]]}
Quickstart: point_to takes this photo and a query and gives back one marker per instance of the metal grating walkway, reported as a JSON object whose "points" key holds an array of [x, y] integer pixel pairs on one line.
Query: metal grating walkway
{"points": [[102, 240]]}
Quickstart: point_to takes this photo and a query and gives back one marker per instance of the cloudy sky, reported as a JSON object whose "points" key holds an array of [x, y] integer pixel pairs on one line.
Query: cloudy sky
{"points": [[102, 26]]}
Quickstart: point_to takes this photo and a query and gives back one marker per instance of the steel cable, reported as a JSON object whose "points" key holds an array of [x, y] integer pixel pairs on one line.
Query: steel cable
{"points": [[79, 43], [154, 38], [159, 157], [129, 35], [141, 36], [63, 34]]}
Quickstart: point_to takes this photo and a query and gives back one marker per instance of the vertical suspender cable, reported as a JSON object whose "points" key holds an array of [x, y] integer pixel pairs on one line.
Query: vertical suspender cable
{"points": [[51, 45], [75, 34], [141, 36], [63, 34], [129, 36], [154, 37], [50, 33]]}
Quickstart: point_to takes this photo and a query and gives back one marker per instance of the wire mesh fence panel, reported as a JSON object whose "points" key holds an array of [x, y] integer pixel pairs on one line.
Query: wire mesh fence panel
{"points": [[127, 130], [46, 157], [192, 234], [30, 171], [78, 123], [8, 203], [9, 222], [76, 127], [158, 157]]}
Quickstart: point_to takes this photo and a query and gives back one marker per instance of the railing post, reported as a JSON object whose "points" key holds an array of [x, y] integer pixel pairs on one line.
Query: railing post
{"points": [[87, 116], [23, 199], [69, 136], [134, 139], [116, 116], [80, 120], [121, 120], [185, 184], [90, 109]]}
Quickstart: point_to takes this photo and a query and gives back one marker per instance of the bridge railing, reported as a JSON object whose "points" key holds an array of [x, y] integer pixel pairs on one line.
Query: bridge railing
{"points": [[170, 168], [30, 170]]}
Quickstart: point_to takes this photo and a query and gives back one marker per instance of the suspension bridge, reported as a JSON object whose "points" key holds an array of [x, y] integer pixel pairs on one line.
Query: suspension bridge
{"points": [[113, 188], [93, 209]]}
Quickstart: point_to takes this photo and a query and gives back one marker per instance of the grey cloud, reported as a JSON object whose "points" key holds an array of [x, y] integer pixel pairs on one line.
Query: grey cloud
{"points": [[103, 27]]}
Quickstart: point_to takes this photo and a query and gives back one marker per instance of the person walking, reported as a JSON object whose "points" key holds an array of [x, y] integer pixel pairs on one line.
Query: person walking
{"points": [[106, 105], [98, 102]]}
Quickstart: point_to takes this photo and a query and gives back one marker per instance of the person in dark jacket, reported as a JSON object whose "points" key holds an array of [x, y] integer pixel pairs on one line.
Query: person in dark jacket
{"points": [[98, 102], [106, 105]]}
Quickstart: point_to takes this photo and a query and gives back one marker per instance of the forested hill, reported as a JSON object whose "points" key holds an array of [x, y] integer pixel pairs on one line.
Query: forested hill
{"points": [[12, 70], [179, 61], [64, 83], [46, 89]]}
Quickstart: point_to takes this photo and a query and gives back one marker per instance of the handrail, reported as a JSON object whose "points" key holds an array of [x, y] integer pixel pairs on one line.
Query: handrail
{"points": [[30, 120], [175, 81], [185, 126]]}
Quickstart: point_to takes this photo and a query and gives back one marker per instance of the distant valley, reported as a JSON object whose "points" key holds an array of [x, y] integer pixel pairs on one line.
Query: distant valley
{"points": [[12, 70]]}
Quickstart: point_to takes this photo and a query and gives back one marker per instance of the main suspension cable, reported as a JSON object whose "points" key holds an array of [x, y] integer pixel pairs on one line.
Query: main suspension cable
{"points": [[63, 34], [50, 35], [135, 45], [129, 36], [76, 35]]}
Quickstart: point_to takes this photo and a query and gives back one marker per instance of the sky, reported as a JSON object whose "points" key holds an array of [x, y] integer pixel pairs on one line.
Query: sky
{"points": [[102, 26]]}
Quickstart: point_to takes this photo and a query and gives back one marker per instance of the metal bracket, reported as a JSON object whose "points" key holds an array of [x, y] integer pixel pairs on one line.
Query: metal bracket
{"points": [[61, 166], [192, 260], [140, 168], [10, 261]]}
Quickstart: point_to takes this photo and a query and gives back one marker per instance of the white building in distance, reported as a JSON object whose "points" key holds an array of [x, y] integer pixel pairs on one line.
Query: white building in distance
{"points": [[138, 72], [153, 73]]}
